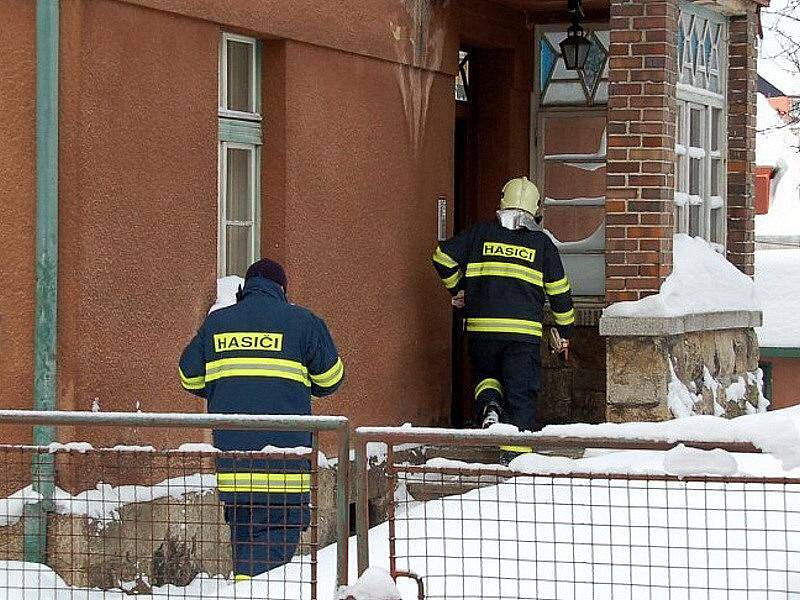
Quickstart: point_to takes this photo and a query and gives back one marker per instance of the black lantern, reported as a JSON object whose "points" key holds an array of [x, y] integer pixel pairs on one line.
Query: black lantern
{"points": [[575, 47]]}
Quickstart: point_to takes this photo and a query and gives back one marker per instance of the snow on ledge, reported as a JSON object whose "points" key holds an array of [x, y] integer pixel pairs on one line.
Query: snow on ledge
{"points": [[704, 291]]}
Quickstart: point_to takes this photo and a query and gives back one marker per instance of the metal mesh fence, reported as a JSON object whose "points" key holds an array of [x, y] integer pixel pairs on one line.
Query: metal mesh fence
{"points": [[189, 523], [464, 530], [504, 534]]}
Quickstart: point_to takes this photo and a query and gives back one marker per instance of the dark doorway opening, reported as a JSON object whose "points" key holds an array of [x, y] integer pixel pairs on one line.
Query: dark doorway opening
{"points": [[491, 136]]}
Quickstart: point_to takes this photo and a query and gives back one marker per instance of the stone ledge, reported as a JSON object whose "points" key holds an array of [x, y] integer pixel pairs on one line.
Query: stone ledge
{"points": [[654, 326]]}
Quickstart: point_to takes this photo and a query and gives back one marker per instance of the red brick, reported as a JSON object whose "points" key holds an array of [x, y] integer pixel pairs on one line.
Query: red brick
{"points": [[616, 206], [617, 141], [622, 219], [647, 180], [643, 283], [626, 35]]}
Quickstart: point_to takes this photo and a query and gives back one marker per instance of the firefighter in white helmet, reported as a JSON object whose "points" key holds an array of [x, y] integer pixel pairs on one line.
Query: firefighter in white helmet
{"points": [[502, 272]]}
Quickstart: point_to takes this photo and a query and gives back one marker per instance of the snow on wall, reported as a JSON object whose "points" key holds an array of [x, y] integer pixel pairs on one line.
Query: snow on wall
{"points": [[105, 501], [777, 280], [226, 291], [702, 281], [12, 507]]}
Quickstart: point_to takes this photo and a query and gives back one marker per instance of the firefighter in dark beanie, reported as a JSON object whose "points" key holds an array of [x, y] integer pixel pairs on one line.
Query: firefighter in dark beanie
{"points": [[502, 272], [261, 356]]}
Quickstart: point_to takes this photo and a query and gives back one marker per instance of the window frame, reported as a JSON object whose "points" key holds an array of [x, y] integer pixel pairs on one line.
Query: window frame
{"points": [[222, 208], [255, 74], [689, 97], [238, 130]]}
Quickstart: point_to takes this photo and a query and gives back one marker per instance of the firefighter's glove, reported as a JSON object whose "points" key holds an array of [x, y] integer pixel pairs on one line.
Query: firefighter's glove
{"points": [[458, 300]]}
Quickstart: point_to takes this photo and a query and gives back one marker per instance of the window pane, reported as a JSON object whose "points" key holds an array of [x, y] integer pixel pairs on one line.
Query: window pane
{"points": [[716, 118], [694, 219], [240, 76], [717, 225], [715, 177], [696, 127], [238, 185], [695, 165], [680, 219], [237, 249]]}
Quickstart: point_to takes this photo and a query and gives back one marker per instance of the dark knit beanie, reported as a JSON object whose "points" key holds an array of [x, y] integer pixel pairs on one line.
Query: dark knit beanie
{"points": [[268, 269]]}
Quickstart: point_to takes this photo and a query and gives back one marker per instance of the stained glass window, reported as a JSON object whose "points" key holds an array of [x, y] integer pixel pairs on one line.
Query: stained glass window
{"points": [[700, 45], [559, 86]]}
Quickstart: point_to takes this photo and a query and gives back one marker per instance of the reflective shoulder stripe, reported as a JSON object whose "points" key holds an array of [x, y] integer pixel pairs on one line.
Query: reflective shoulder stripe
{"points": [[490, 325], [452, 281], [565, 318], [286, 483], [330, 377], [488, 384], [280, 368], [553, 288], [192, 383], [443, 259], [503, 269]]}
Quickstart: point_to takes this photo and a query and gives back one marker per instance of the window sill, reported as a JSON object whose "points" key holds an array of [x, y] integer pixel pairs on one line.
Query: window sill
{"points": [[656, 326]]}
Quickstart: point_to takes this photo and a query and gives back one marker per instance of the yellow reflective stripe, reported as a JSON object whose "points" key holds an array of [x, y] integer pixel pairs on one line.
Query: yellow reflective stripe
{"points": [[443, 259], [553, 288], [242, 577], [489, 325], [287, 483], [502, 269], [330, 377], [452, 281], [192, 383], [488, 384], [517, 449], [564, 318], [257, 367]]}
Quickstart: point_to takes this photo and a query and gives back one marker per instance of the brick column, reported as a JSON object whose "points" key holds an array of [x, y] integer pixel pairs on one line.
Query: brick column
{"points": [[641, 147], [742, 82]]}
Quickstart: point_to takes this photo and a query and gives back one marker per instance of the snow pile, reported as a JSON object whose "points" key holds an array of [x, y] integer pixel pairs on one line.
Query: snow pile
{"points": [[226, 291], [79, 447], [13, 507], [776, 432], [374, 584], [691, 461], [778, 282], [104, 503], [777, 147], [702, 281]]}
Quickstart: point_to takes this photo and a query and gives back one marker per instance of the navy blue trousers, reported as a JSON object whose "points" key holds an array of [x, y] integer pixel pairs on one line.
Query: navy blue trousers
{"points": [[264, 535], [516, 366]]}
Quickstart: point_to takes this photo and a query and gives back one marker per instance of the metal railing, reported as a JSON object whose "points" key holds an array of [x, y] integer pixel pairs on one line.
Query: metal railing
{"points": [[548, 530], [75, 519]]}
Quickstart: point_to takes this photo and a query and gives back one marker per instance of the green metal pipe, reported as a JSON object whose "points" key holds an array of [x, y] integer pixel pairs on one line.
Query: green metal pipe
{"points": [[46, 319]]}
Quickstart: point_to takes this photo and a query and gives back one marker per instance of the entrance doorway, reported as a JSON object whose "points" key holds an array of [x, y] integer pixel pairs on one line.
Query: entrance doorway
{"points": [[490, 146]]}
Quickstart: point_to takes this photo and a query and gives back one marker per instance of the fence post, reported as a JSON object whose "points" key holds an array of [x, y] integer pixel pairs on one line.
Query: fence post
{"points": [[362, 503], [343, 507]]}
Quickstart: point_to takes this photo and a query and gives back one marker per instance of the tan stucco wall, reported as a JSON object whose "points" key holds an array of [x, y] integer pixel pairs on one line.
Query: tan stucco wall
{"points": [[138, 203], [357, 147], [18, 194]]}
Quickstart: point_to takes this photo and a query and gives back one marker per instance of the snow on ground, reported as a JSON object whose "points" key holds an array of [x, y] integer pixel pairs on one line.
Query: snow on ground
{"points": [[701, 281], [776, 432], [778, 283]]}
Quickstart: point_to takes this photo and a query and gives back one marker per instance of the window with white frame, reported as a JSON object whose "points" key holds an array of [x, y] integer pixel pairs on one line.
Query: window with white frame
{"points": [[239, 153], [700, 149]]}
